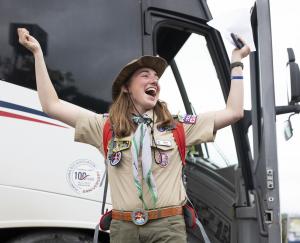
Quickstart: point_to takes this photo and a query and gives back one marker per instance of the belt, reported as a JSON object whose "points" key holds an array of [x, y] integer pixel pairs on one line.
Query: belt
{"points": [[141, 216]]}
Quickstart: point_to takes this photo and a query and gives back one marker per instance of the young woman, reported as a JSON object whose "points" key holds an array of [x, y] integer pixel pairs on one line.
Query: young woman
{"points": [[144, 164]]}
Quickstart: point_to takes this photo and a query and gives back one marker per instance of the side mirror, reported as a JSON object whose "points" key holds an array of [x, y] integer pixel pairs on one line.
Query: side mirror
{"points": [[294, 92], [294, 77], [288, 129]]}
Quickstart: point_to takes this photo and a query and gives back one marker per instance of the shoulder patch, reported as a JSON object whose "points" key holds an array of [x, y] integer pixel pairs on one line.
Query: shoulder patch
{"points": [[187, 119]]}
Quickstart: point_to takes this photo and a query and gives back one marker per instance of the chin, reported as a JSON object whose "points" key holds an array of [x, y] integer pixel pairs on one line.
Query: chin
{"points": [[150, 105]]}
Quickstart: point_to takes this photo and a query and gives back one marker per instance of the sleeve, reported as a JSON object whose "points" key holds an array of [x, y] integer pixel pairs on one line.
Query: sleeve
{"points": [[89, 129], [202, 130]]}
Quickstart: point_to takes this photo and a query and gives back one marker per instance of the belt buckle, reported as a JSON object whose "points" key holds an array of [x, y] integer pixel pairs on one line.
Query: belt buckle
{"points": [[139, 217]]}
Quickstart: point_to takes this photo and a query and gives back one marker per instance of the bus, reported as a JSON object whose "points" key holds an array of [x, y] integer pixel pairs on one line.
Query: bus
{"points": [[52, 188]]}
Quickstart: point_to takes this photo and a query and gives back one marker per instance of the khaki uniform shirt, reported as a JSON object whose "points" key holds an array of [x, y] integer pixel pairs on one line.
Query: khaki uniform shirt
{"points": [[171, 191]]}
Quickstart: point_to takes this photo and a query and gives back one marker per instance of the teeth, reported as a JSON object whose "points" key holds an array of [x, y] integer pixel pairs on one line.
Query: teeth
{"points": [[151, 91]]}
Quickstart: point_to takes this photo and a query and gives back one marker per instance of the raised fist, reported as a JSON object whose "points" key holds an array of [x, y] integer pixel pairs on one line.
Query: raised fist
{"points": [[28, 41]]}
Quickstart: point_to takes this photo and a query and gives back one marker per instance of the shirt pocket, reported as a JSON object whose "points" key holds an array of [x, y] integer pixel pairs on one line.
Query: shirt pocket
{"points": [[163, 150]]}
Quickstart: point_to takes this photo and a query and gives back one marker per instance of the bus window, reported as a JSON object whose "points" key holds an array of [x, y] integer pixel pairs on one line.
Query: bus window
{"points": [[77, 40]]}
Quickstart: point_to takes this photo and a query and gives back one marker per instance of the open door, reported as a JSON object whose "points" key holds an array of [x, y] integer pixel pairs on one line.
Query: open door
{"points": [[226, 184], [265, 164]]}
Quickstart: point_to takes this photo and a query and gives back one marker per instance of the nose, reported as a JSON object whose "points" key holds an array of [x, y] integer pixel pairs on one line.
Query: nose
{"points": [[154, 79]]}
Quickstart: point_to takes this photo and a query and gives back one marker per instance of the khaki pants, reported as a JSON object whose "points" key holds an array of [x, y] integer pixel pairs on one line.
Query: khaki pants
{"points": [[165, 230]]}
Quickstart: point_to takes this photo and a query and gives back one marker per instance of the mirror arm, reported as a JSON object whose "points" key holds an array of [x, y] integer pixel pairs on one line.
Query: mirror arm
{"points": [[287, 109], [280, 110]]}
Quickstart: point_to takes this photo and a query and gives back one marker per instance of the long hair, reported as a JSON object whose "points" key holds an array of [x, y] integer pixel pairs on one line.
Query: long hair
{"points": [[121, 110]]}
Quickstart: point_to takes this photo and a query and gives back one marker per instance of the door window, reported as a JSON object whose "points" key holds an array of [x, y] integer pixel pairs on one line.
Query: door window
{"points": [[204, 92]]}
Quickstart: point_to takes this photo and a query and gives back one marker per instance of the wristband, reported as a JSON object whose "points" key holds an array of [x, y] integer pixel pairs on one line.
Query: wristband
{"points": [[236, 64], [237, 77]]}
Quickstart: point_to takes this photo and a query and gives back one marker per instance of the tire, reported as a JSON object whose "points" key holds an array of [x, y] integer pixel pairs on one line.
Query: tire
{"points": [[53, 236]]}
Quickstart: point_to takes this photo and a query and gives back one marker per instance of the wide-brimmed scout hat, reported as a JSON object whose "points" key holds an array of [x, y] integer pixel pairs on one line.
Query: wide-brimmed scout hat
{"points": [[158, 64]]}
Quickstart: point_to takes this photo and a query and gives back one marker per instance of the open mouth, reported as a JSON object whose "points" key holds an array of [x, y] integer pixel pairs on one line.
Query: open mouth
{"points": [[151, 91]]}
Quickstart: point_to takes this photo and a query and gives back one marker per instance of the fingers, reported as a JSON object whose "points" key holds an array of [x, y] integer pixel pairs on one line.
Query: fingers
{"points": [[23, 35], [245, 49], [22, 32], [242, 40]]}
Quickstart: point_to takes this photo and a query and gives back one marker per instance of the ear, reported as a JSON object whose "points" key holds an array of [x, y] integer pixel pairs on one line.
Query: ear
{"points": [[125, 89]]}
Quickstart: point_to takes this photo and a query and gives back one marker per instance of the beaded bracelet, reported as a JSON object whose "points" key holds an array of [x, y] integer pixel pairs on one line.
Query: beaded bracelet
{"points": [[237, 77]]}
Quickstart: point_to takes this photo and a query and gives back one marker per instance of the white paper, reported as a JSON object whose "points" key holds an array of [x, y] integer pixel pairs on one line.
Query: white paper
{"points": [[234, 21]]}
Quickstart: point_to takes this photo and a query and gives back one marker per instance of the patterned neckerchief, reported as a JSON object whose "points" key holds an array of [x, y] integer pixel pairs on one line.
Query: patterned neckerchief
{"points": [[141, 144]]}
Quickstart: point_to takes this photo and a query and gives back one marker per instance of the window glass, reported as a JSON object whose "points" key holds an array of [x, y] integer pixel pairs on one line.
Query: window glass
{"points": [[170, 92], [250, 139], [85, 45], [205, 94]]}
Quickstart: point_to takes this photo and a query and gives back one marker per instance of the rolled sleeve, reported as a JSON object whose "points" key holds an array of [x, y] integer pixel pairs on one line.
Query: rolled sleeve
{"points": [[89, 129], [202, 130]]}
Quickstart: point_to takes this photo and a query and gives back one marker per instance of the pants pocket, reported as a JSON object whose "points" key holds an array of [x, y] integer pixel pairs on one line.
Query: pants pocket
{"points": [[114, 230], [176, 224]]}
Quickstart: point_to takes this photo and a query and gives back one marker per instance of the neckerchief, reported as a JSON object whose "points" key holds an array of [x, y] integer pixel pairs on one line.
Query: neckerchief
{"points": [[141, 143]]}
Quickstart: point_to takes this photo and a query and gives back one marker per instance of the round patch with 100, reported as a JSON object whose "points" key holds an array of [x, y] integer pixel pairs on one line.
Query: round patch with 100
{"points": [[83, 176]]}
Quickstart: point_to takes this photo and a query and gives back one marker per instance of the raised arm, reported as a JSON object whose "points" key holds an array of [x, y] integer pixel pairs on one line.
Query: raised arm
{"points": [[62, 111], [234, 110]]}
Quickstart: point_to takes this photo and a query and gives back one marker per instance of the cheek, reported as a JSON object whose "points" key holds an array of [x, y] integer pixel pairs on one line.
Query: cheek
{"points": [[137, 93], [158, 89], [136, 85]]}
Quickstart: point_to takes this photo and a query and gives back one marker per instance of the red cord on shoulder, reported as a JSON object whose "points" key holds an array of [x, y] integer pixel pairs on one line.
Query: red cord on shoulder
{"points": [[107, 134], [179, 136]]}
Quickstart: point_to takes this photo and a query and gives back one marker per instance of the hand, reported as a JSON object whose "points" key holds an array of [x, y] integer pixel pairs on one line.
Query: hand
{"points": [[28, 41], [239, 54]]}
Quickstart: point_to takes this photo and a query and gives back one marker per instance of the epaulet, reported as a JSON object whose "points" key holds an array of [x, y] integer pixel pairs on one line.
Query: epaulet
{"points": [[187, 118]]}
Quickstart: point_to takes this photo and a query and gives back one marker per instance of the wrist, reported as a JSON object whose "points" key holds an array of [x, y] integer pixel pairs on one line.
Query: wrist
{"points": [[236, 60], [37, 53], [236, 57]]}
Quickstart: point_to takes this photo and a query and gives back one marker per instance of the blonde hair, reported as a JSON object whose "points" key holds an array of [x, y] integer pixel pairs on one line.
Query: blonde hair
{"points": [[121, 110]]}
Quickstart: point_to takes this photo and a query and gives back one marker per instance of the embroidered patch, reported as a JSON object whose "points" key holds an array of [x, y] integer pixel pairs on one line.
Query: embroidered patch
{"points": [[115, 158], [121, 145], [162, 159], [188, 119], [166, 128]]}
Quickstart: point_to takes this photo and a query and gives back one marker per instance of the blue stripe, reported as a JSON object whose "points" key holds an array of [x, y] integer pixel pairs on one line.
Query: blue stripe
{"points": [[22, 108], [237, 77]]}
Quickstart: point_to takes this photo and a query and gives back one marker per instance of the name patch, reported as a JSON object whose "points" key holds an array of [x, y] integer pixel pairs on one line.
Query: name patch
{"points": [[166, 143]]}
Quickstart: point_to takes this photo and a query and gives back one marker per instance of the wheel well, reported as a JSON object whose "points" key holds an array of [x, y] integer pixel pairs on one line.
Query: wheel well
{"points": [[10, 234]]}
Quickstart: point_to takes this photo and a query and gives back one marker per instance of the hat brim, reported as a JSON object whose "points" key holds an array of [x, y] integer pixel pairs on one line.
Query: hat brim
{"points": [[158, 64]]}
